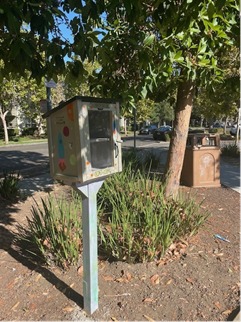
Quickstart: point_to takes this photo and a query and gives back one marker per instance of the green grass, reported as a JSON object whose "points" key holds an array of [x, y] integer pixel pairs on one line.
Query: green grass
{"points": [[9, 185], [54, 231], [23, 140], [137, 223]]}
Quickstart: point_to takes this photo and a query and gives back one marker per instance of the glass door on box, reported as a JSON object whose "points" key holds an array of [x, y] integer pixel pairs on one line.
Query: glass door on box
{"points": [[101, 142]]}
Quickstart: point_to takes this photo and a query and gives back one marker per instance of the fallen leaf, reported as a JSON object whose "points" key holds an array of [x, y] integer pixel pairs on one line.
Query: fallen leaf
{"points": [[38, 277], [121, 280], [189, 280], [108, 278], [169, 282], [148, 318], [102, 265], [128, 276], [226, 312], [218, 305], [68, 309], [183, 299], [219, 254], [148, 300], [220, 209], [113, 318], [80, 270], [15, 306], [155, 279], [108, 228], [46, 243]]}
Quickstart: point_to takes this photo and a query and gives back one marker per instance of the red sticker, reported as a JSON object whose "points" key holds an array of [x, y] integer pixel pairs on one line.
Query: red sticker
{"points": [[66, 131]]}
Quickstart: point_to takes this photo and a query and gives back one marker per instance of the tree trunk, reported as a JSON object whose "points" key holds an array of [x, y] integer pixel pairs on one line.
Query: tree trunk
{"points": [[5, 128], [125, 126], [179, 137]]}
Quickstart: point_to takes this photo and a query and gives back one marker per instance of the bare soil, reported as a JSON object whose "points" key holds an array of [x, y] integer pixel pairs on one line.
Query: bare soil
{"points": [[199, 280]]}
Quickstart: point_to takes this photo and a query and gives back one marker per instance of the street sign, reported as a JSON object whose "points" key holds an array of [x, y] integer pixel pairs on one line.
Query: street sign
{"points": [[51, 84]]}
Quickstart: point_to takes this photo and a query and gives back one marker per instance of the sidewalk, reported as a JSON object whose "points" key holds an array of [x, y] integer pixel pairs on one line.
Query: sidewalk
{"points": [[230, 174], [37, 179]]}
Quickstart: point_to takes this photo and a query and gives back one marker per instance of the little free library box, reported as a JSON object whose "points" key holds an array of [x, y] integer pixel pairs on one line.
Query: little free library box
{"points": [[84, 139]]}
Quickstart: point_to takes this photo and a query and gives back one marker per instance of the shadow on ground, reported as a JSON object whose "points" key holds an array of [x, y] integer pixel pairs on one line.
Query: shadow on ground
{"points": [[8, 244]]}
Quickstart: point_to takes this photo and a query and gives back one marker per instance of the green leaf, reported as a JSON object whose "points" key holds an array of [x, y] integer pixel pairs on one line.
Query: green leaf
{"points": [[149, 40], [202, 46], [179, 57], [13, 23], [144, 92]]}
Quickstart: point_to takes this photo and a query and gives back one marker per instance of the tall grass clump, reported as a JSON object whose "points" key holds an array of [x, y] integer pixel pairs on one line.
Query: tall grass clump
{"points": [[136, 222], [54, 232], [143, 161], [9, 185]]}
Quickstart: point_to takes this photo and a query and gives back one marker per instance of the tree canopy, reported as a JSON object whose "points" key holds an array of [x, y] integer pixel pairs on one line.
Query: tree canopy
{"points": [[145, 49]]}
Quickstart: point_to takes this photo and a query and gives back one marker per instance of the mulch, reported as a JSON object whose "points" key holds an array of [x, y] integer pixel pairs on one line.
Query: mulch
{"points": [[199, 283]]}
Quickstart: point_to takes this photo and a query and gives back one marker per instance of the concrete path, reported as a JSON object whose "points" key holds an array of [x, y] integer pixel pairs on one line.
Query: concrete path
{"points": [[230, 175]]}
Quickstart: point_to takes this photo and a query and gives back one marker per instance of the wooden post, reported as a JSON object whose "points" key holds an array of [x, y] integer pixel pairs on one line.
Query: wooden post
{"points": [[90, 252]]}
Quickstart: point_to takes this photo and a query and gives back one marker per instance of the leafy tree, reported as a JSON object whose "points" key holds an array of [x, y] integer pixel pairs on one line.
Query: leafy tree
{"points": [[147, 44], [144, 45], [221, 101], [9, 98], [163, 112], [24, 94], [144, 110], [79, 84], [27, 30]]}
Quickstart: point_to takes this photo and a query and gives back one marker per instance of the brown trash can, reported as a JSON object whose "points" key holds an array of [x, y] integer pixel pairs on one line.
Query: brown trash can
{"points": [[201, 166]]}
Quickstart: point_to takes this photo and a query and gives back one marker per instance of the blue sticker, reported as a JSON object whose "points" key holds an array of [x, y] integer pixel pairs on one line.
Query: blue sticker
{"points": [[60, 147]]}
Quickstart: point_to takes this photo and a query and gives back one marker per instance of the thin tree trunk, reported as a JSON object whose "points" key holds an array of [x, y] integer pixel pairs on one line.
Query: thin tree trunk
{"points": [[179, 137], [4, 123], [125, 126]]}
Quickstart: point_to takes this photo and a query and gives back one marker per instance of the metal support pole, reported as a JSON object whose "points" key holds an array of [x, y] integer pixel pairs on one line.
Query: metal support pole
{"points": [[90, 252], [48, 94], [134, 112]]}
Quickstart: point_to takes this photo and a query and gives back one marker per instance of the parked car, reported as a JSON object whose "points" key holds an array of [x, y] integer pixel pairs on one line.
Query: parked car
{"points": [[148, 129], [233, 129], [218, 124], [160, 133]]}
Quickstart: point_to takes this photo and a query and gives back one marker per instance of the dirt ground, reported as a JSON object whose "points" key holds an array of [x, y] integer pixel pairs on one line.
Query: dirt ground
{"points": [[198, 281]]}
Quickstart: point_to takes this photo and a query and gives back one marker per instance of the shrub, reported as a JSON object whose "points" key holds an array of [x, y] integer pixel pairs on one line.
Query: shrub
{"points": [[29, 131], [168, 136], [145, 161], [231, 150], [54, 232], [11, 133], [213, 131], [9, 185], [136, 223]]}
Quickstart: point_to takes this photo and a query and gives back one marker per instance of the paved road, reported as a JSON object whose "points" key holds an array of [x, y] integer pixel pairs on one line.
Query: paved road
{"points": [[35, 157]]}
